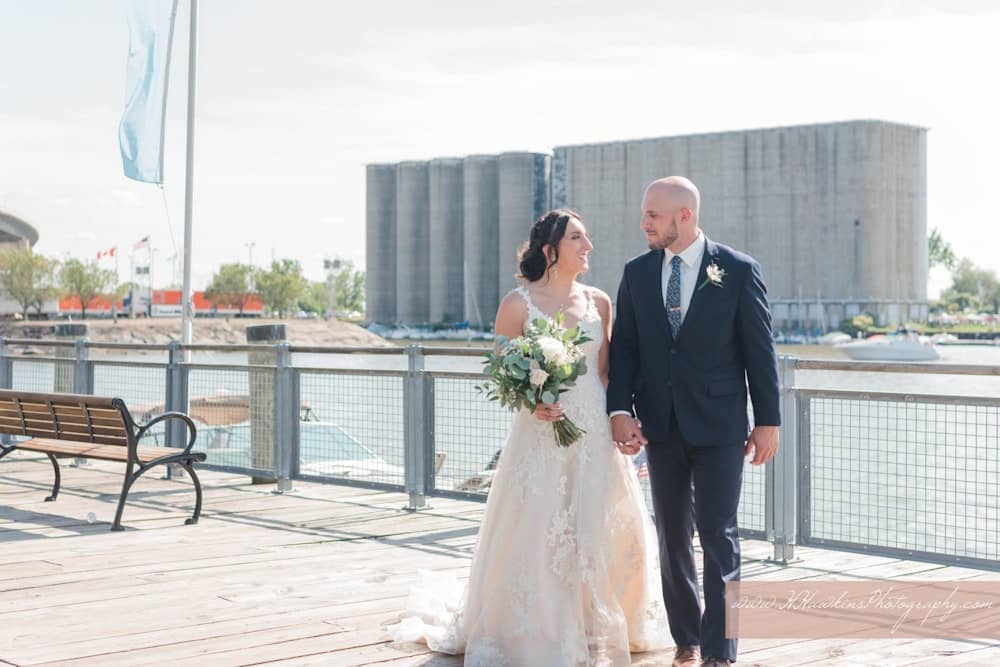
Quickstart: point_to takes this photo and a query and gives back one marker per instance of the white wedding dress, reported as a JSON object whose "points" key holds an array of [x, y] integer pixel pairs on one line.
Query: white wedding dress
{"points": [[565, 572]]}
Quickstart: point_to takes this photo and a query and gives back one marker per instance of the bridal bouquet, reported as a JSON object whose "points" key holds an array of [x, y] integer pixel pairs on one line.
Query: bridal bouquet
{"points": [[535, 368]]}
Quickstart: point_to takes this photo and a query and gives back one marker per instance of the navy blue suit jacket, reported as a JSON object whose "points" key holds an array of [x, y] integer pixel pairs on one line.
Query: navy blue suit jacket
{"points": [[724, 344]]}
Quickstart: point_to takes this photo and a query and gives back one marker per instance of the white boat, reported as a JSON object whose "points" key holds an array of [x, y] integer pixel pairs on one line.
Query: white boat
{"points": [[894, 347], [834, 338], [945, 339]]}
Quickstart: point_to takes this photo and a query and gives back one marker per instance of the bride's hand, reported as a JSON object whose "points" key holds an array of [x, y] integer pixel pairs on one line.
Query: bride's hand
{"points": [[549, 412]]}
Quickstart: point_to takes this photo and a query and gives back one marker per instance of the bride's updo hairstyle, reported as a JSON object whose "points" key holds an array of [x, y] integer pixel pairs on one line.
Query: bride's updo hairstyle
{"points": [[548, 230]]}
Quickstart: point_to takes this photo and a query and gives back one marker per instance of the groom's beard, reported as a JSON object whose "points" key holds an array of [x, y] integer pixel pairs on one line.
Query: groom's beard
{"points": [[669, 236]]}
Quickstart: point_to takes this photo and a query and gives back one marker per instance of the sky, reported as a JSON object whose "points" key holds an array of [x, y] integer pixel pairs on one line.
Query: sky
{"points": [[295, 97]]}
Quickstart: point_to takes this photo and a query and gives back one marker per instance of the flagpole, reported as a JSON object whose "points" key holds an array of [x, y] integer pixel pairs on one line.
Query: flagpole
{"points": [[187, 305]]}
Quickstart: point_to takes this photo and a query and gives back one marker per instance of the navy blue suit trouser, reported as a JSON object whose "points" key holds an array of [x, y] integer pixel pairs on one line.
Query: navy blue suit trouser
{"points": [[697, 487]]}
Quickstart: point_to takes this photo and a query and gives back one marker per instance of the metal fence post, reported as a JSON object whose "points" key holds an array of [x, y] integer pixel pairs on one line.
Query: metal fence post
{"points": [[415, 434], [285, 418], [175, 400], [6, 366], [781, 475], [6, 379], [83, 379], [83, 369]]}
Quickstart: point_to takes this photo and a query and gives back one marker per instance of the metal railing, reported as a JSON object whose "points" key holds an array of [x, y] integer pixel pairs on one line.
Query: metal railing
{"points": [[914, 475]]}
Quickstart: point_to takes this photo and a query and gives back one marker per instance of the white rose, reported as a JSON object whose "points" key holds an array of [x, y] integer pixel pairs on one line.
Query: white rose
{"points": [[538, 377], [552, 350]]}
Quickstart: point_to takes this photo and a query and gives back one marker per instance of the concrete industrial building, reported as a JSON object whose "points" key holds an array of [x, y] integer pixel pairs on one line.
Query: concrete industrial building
{"points": [[457, 225], [16, 233], [835, 213]]}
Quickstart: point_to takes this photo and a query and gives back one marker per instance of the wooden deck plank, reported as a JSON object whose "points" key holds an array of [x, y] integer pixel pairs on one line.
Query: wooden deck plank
{"points": [[306, 578]]}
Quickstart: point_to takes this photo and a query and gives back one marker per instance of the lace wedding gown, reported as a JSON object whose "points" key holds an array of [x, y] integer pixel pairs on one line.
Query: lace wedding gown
{"points": [[565, 572]]}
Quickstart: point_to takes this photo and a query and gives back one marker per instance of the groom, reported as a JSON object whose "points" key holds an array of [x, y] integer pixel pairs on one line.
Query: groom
{"points": [[692, 330]]}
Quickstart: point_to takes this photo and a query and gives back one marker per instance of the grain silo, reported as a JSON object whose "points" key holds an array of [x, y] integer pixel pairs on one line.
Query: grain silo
{"points": [[447, 289], [835, 213], [481, 231], [380, 243], [412, 243], [523, 193]]}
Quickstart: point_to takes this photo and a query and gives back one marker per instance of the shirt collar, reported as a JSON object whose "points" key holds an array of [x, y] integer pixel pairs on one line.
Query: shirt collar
{"points": [[690, 256]]}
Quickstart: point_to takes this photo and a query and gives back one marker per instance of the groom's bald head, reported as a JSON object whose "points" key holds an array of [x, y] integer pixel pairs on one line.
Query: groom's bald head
{"points": [[670, 213], [678, 192]]}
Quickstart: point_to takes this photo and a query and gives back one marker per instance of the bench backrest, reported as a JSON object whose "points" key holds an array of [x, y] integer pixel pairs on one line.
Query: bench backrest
{"points": [[103, 421]]}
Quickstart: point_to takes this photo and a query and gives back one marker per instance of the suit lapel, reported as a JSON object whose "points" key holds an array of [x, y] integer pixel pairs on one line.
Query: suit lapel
{"points": [[652, 282], [699, 295]]}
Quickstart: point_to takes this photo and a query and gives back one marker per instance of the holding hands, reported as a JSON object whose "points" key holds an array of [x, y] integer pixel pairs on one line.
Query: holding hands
{"points": [[626, 431]]}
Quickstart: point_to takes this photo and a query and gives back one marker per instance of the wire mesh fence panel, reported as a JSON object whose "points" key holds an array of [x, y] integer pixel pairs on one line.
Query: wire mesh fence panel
{"points": [[469, 432], [38, 375], [351, 426], [912, 475], [233, 422], [143, 388], [750, 515]]}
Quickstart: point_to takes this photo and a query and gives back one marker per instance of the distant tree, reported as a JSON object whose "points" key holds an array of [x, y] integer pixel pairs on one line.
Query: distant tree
{"points": [[939, 251], [85, 281], [314, 299], [282, 285], [968, 279], [232, 285], [347, 284], [860, 323], [28, 278], [954, 302]]}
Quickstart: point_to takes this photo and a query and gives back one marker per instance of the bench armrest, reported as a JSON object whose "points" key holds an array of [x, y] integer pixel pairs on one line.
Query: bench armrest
{"points": [[192, 429]]}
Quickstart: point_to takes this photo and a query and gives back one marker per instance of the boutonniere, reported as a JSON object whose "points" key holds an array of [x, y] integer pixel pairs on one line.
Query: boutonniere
{"points": [[713, 275]]}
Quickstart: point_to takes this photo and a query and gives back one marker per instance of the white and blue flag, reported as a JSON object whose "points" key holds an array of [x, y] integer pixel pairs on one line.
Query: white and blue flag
{"points": [[140, 135]]}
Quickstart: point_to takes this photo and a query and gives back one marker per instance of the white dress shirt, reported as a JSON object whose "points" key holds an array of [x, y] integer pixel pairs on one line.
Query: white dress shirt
{"points": [[690, 264]]}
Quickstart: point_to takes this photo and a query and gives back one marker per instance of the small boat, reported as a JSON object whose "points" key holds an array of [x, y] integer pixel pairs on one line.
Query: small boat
{"points": [[834, 338], [945, 339], [892, 347]]}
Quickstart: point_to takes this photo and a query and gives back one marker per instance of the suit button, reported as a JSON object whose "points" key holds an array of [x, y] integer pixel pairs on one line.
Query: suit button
{"points": [[673, 352]]}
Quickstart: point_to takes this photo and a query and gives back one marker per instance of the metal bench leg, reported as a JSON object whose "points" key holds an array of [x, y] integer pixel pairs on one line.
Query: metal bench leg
{"points": [[197, 493], [129, 480], [55, 485]]}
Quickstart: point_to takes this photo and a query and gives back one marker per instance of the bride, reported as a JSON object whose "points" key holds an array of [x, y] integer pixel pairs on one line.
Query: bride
{"points": [[565, 571]]}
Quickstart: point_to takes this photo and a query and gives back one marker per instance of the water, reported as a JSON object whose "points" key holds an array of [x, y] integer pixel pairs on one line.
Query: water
{"points": [[911, 474]]}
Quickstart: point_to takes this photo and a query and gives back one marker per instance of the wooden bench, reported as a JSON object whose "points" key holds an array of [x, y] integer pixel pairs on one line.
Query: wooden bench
{"points": [[94, 428]]}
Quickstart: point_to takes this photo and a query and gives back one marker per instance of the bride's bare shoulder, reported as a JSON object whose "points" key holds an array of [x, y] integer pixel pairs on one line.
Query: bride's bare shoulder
{"points": [[511, 314], [602, 301], [514, 301]]}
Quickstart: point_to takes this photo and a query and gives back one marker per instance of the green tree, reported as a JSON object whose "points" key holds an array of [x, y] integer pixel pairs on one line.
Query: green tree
{"points": [[28, 278], [954, 302], [232, 285], [347, 284], [862, 323], [939, 251], [969, 279], [282, 285], [314, 298], [85, 281]]}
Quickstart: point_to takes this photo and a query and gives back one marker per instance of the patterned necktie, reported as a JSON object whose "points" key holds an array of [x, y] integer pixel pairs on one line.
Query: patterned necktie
{"points": [[674, 295]]}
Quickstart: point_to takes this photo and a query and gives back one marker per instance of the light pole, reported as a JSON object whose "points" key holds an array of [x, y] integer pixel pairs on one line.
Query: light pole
{"points": [[249, 245]]}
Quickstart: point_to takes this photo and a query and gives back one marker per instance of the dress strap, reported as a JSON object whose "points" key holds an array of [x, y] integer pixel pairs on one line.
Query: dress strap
{"points": [[592, 311]]}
